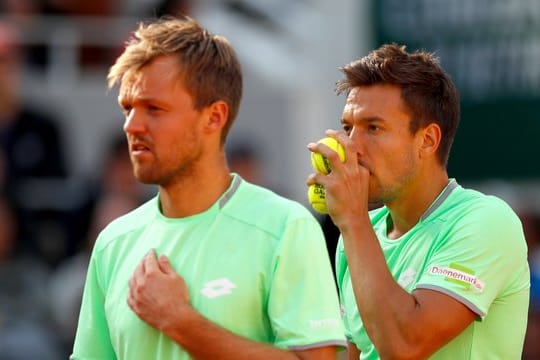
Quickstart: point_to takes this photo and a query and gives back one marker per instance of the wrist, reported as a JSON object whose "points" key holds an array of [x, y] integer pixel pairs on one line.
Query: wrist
{"points": [[354, 224], [181, 318]]}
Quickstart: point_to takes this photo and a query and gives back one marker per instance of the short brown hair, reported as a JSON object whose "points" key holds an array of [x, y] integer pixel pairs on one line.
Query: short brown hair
{"points": [[427, 90], [207, 62]]}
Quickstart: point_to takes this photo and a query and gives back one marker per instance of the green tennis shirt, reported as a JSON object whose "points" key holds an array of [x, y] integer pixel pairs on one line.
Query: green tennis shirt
{"points": [[255, 263], [468, 246]]}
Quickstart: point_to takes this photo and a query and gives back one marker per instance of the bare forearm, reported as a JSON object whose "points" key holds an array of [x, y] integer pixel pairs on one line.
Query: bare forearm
{"points": [[206, 340], [401, 325], [384, 305]]}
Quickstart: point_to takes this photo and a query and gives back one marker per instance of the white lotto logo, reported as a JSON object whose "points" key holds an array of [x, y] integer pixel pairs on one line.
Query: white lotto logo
{"points": [[217, 288], [458, 275]]}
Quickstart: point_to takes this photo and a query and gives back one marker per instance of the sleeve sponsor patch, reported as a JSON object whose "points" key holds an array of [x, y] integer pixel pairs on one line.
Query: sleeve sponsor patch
{"points": [[458, 274]]}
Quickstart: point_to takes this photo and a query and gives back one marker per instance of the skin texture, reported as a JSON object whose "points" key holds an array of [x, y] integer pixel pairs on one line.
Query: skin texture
{"points": [[178, 148], [352, 352], [401, 170]]}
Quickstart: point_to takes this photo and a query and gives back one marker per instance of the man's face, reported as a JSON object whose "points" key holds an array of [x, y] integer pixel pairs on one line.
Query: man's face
{"points": [[162, 127], [377, 120]]}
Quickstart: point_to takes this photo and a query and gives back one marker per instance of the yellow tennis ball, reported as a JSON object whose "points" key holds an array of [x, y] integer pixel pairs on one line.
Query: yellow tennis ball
{"points": [[321, 163], [317, 198]]}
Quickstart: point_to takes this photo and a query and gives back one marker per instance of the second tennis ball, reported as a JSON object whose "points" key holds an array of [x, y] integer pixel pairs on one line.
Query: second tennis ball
{"points": [[317, 198], [321, 163]]}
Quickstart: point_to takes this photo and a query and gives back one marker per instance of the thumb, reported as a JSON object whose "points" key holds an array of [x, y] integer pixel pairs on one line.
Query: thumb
{"points": [[165, 265]]}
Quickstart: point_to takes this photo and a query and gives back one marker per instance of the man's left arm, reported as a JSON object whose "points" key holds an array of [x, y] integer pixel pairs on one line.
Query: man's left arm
{"points": [[159, 296]]}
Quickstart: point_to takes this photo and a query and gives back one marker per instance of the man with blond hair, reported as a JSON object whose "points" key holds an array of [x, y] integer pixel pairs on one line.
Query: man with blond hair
{"points": [[213, 267]]}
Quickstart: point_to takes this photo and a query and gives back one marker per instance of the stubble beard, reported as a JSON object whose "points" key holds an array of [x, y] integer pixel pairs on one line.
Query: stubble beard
{"points": [[388, 193], [157, 174]]}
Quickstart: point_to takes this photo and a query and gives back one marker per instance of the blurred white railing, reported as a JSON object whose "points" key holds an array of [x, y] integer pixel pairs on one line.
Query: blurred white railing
{"points": [[63, 37]]}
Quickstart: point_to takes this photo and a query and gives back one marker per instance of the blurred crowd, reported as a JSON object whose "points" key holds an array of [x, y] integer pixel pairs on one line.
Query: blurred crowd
{"points": [[48, 222], [48, 219]]}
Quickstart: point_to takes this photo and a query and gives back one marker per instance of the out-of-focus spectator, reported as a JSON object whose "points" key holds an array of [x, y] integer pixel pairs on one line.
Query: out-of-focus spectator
{"points": [[172, 7], [3, 175], [531, 227], [30, 138], [33, 146], [116, 173], [67, 281], [115, 192], [21, 7], [25, 325], [26, 14], [82, 7], [89, 54], [244, 159]]}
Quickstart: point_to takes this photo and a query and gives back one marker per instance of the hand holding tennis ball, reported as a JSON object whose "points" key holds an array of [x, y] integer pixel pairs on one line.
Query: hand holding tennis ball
{"points": [[316, 192], [321, 163]]}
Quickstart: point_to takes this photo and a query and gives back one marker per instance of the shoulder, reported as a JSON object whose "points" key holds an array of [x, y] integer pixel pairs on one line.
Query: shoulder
{"points": [[474, 206], [258, 206], [482, 221]]}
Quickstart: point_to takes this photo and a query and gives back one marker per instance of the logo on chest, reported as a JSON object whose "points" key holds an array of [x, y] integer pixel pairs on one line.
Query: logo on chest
{"points": [[217, 288]]}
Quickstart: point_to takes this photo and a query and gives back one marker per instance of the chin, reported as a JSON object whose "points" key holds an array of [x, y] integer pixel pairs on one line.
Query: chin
{"points": [[145, 178]]}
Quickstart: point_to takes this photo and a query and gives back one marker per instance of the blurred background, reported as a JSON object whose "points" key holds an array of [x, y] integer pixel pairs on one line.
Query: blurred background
{"points": [[64, 168]]}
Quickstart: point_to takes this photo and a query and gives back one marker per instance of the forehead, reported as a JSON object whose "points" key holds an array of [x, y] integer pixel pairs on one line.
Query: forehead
{"points": [[159, 76], [381, 100]]}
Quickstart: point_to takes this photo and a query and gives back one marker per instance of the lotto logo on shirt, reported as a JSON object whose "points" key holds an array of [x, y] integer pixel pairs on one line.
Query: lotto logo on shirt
{"points": [[216, 288], [458, 274]]}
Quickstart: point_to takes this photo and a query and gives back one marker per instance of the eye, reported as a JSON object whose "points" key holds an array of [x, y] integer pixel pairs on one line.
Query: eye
{"points": [[153, 108], [347, 128], [373, 128], [126, 110]]}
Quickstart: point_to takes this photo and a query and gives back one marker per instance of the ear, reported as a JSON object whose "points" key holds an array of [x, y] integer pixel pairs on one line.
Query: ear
{"points": [[217, 114], [430, 138]]}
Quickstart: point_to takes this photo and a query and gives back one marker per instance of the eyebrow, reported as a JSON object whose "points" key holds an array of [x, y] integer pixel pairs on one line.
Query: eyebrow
{"points": [[133, 99], [369, 119]]}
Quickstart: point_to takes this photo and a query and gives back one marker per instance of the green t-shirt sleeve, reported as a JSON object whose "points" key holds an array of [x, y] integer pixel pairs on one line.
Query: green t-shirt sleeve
{"points": [[303, 305], [473, 259], [341, 271], [92, 340]]}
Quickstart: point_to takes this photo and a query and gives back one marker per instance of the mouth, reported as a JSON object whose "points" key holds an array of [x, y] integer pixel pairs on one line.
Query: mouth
{"points": [[366, 167], [138, 148]]}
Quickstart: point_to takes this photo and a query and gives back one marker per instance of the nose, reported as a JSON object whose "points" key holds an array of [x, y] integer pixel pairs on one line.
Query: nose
{"points": [[134, 123], [356, 136]]}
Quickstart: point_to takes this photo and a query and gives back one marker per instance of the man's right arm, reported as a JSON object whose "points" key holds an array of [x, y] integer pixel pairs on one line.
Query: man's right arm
{"points": [[92, 340]]}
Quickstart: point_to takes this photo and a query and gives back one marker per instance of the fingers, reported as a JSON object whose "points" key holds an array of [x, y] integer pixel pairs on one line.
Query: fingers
{"points": [[150, 262], [147, 264], [333, 157], [316, 178], [164, 265], [352, 151]]}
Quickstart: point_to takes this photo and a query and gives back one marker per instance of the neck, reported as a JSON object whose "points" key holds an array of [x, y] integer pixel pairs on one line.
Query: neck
{"points": [[407, 211], [195, 193]]}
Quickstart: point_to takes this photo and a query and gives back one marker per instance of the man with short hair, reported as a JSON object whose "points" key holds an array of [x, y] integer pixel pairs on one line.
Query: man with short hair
{"points": [[439, 271]]}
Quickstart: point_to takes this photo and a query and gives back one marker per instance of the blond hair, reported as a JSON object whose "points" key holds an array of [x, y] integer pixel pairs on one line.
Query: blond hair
{"points": [[207, 64]]}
